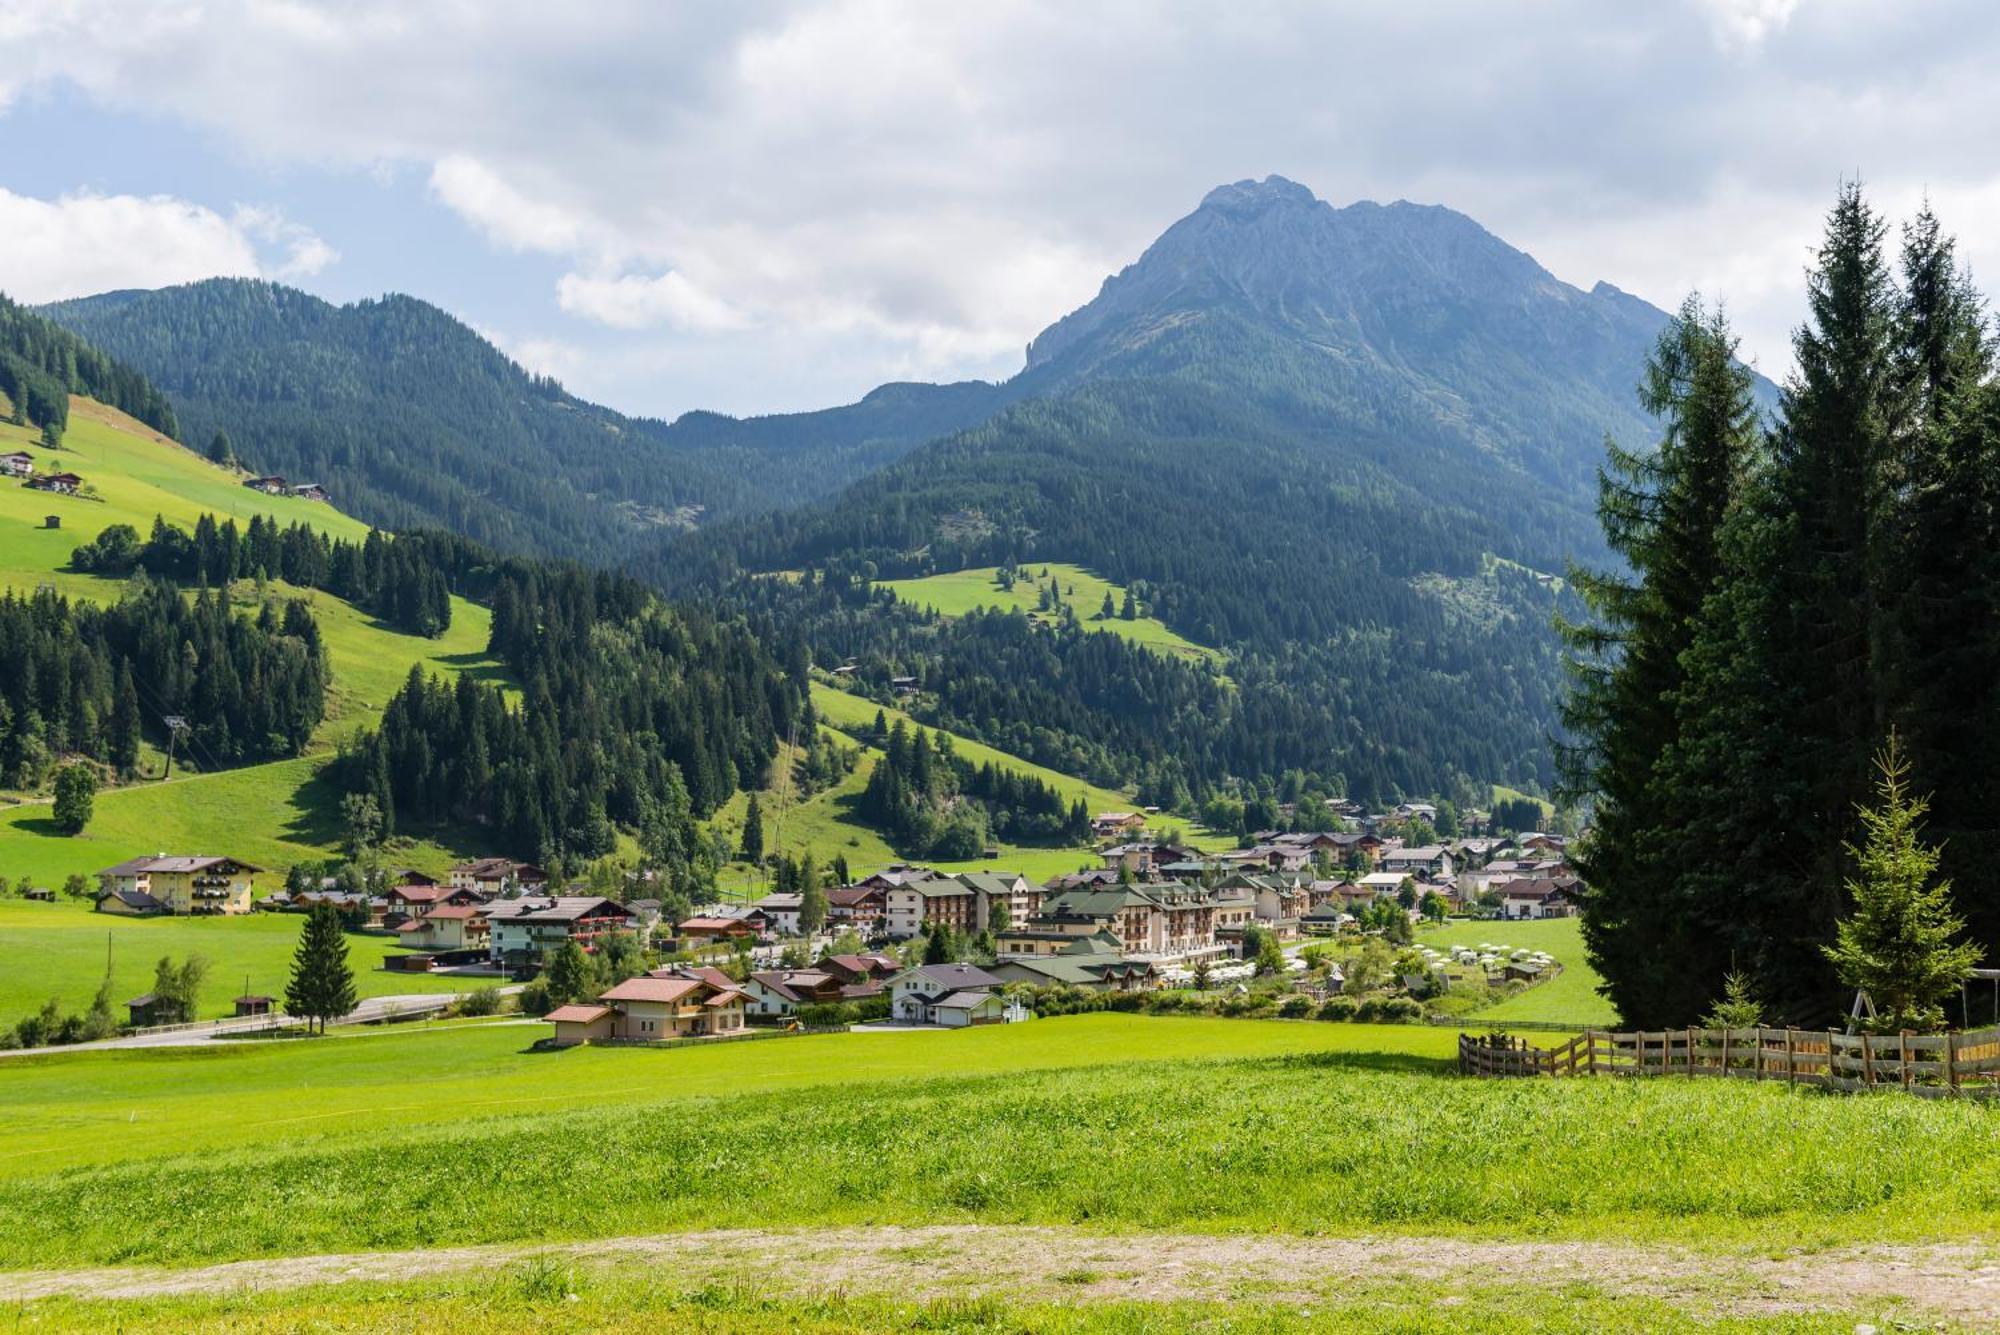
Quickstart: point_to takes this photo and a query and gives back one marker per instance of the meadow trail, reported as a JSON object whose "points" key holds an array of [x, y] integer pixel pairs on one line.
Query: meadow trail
{"points": [[1955, 1282]]}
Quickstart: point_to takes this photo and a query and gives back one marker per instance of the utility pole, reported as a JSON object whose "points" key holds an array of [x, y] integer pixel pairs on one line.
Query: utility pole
{"points": [[176, 725]]}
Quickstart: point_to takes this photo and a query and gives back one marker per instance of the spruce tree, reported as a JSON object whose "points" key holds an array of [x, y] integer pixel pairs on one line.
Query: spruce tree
{"points": [[812, 896], [1663, 513], [322, 982], [938, 948], [1898, 943], [753, 831]]}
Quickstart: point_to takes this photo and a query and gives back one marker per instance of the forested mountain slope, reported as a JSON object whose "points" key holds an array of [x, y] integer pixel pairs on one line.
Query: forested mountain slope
{"points": [[412, 419], [1353, 447]]}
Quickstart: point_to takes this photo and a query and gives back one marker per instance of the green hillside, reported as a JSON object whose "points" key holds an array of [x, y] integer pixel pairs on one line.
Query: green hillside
{"points": [[962, 591], [271, 815]]}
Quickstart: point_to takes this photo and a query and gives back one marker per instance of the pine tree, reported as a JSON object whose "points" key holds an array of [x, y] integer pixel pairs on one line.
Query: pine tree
{"points": [[1106, 612], [1129, 609], [753, 831], [1897, 945], [1663, 513], [219, 450], [322, 982], [938, 948], [124, 752]]}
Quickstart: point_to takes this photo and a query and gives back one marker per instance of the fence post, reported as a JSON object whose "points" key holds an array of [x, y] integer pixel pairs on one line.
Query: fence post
{"points": [[1905, 1054], [1690, 1037], [1830, 1076], [1725, 1052], [1951, 1061], [1867, 1062], [1791, 1055]]}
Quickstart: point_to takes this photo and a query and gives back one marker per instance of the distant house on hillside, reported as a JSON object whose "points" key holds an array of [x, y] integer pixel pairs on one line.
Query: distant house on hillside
{"points": [[310, 491], [1115, 824], [498, 876], [63, 484], [270, 486], [18, 464]]}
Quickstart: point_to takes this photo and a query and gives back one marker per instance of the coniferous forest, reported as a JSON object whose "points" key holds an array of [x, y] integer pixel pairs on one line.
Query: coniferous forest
{"points": [[96, 681], [42, 364], [1793, 596], [932, 802]]}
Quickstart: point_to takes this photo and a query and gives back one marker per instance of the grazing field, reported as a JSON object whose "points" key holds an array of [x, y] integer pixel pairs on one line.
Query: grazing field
{"points": [[963, 591], [59, 950], [1311, 1129], [1571, 997]]}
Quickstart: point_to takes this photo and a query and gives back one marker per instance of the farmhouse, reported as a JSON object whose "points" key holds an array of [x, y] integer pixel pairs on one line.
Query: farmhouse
{"points": [[18, 464], [859, 906], [1429, 860], [184, 885], [270, 486], [310, 491], [63, 484], [1115, 824], [523, 930], [717, 929], [955, 995]]}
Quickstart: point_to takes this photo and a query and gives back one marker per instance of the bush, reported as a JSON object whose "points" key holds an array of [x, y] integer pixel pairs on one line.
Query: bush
{"points": [[828, 1015], [1389, 1010], [535, 998], [1339, 1008], [1295, 1007], [480, 1001]]}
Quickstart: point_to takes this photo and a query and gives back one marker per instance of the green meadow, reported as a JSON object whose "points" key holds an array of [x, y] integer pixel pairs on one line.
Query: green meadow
{"points": [[964, 591], [60, 950], [1110, 1123], [1571, 997]]}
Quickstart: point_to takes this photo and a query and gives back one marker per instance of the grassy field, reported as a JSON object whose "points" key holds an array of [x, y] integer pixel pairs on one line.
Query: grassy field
{"points": [[966, 590], [1569, 998], [1111, 1123], [59, 950]]}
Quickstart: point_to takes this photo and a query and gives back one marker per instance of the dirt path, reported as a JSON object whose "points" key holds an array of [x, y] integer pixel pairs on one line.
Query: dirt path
{"points": [[1960, 1282]]}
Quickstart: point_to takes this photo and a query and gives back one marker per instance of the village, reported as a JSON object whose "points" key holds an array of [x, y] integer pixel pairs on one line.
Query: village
{"points": [[1293, 923]]}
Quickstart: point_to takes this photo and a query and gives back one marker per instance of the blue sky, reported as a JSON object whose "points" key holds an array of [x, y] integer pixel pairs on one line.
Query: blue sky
{"points": [[779, 206]]}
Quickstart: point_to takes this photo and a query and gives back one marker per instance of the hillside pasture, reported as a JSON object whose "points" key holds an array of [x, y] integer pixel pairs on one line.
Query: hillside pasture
{"points": [[963, 591]]}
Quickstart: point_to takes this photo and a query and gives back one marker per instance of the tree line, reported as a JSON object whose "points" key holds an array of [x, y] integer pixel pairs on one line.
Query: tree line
{"points": [[78, 679], [932, 802], [1802, 596]]}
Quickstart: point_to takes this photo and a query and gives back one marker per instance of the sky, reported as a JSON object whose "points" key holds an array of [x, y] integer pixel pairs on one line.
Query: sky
{"points": [[777, 206]]}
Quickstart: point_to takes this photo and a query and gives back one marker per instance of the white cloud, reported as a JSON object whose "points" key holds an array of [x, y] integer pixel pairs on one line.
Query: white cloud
{"points": [[857, 188], [508, 216], [84, 243], [635, 302]]}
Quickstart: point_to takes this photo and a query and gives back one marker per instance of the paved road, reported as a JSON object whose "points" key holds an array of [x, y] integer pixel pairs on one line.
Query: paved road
{"points": [[222, 1031]]}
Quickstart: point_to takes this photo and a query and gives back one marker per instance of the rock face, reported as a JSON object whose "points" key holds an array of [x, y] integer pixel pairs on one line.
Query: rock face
{"points": [[1396, 317]]}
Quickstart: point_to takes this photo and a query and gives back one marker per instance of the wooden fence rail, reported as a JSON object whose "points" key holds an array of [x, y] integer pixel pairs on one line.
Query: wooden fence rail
{"points": [[1932, 1065]]}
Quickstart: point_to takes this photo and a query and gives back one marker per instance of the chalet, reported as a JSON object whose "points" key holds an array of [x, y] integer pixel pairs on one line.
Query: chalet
{"points": [[63, 484], [270, 486], [858, 906], [861, 970], [1093, 963], [903, 685], [1422, 811], [1363, 848], [1428, 860], [310, 491], [1116, 824], [420, 899], [1273, 857], [18, 464], [498, 876], [782, 912], [185, 885], [1324, 920], [521, 931], [783, 991], [717, 929], [1526, 899], [955, 995], [446, 927], [655, 1008], [1145, 858]]}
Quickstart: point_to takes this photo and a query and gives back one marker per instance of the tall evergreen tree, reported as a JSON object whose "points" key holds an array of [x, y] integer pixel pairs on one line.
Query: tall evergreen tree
{"points": [[753, 831], [812, 896], [322, 982], [1663, 513]]}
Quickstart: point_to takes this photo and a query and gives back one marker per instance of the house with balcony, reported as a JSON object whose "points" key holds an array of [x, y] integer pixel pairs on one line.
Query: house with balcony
{"points": [[523, 931], [198, 885], [652, 1009]]}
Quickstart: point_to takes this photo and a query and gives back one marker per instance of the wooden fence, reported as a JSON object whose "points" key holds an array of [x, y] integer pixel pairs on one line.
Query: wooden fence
{"points": [[1932, 1065]]}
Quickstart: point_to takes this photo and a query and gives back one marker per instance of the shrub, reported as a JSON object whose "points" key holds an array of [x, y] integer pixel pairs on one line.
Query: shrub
{"points": [[828, 1015], [1295, 1007], [1389, 1010], [535, 998], [1338, 1008], [480, 1001]]}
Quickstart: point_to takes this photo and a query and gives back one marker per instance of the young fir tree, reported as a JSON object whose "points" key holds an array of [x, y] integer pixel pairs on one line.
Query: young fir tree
{"points": [[938, 948], [1898, 943], [322, 982], [1663, 513]]}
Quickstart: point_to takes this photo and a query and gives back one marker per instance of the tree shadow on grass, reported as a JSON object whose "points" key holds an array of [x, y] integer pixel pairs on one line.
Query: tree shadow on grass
{"points": [[44, 826], [478, 666]]}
